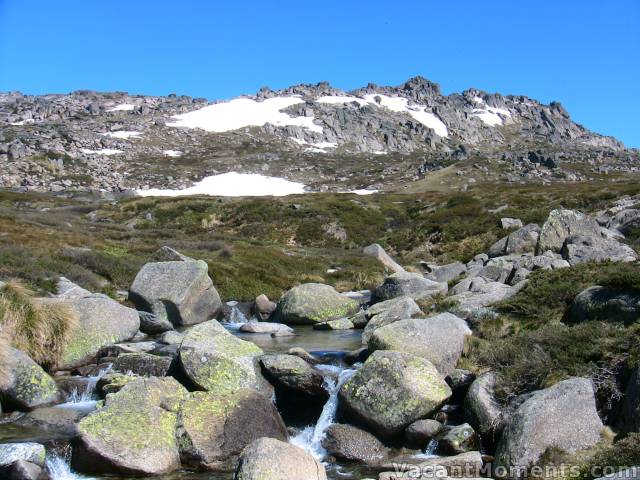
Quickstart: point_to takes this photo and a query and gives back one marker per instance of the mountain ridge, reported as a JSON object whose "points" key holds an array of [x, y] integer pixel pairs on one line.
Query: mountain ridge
{"points": [[374, 136]]}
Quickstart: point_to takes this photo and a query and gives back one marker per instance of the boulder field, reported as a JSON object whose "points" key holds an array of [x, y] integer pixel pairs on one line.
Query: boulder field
{"points": [[178, 388]]}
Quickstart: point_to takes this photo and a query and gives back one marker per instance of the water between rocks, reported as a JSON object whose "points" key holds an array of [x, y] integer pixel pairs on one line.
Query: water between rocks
{"points": [[329, 346]]}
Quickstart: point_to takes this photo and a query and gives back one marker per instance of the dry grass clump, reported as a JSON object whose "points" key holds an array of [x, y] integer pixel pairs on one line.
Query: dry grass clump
{"points": [[40, 330], [4, 359]]}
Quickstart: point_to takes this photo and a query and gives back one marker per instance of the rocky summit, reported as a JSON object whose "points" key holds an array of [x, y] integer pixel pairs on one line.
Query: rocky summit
{"points": [[374, 137]]}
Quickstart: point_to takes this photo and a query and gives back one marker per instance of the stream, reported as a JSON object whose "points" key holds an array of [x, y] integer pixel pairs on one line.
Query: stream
{"points": [[328, 346]]}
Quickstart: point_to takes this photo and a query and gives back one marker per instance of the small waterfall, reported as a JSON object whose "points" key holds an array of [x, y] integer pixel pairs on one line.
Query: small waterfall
{"points": [[88, 395], [310, 439], [236, 319], [432, 447], [59, 468]]}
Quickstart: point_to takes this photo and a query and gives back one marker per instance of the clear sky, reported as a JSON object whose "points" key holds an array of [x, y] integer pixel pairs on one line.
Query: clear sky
{"points": [[583, 53]]}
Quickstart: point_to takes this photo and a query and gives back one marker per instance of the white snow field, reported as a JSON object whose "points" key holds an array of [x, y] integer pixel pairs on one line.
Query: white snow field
{"points": [[102, 151], [124, 134], [233, 184], [123, 107], [395, 104], [172, 153], [491, 116], [244, 112]]}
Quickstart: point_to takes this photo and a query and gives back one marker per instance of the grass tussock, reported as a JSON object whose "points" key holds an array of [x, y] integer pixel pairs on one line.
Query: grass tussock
{"points": [[4, 359], [41, 331]]}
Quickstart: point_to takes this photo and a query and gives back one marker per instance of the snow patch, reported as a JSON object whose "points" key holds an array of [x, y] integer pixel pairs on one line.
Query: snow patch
{"points": [[233, 184], [363, 191], [491, 116], [122, 134], [172, 153], [340, 99], [418, 112], [245, 112], [321, 147], [102, 151], [123, 107]]}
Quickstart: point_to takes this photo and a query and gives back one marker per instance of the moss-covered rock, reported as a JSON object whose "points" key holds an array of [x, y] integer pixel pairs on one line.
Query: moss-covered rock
{"points": [[101, 322], [217, 361], [134, 433], [312, 303], [27, 385], [392, 390], [214, 428], [271, 459], [143, 364]]}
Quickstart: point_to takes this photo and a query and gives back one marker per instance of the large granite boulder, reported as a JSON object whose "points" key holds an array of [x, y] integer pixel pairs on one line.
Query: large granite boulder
{"points": [[563, 416], [214, 428], [625, 221], [26, 385], [581, 248], [387, 312], [101, 321], [446, 273], [294, 378], [562, 224], [605, 303], [215, 360], [351, 444], [312, 303], [408, 284], [439, 339], [392, 390], [271, 459], [134, 433], [523, 240], [27, 451], [180, 292]]}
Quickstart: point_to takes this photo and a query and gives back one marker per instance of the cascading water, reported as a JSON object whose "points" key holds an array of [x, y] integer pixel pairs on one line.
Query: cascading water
{"points": [[236, 319], [88, 396], [59, 468], [310, 439]]}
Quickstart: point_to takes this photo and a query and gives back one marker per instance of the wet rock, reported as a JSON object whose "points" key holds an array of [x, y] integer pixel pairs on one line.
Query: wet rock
{"points": [[215, 360], [303, 354], [438, 339], [271, 459], [351, 444], [23, 470], [312, 303], [143, 364], [563, 416], [465, 465], [459, 439], [180, 292], [56, 420], [408, 284], [265, 327], [213, 429], [340, 324], [391, 391], [420, 432], [294, 377], [28, 451], [263, 307]]}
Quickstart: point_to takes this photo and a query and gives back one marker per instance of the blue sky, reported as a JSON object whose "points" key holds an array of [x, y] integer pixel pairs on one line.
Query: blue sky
{"points": [[583, 53]]}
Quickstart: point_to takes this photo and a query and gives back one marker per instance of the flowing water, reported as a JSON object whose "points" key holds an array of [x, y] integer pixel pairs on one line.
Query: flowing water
{"points": [[310, 438]]}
